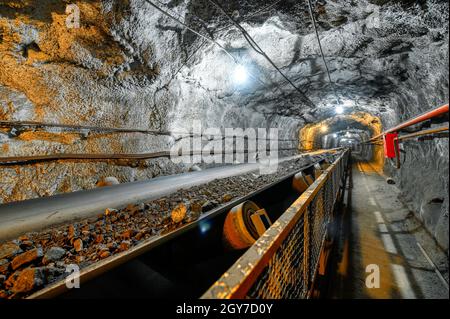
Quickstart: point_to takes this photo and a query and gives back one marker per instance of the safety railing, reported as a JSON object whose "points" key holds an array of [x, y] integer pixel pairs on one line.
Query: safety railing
{"points": [[284, 261], [437, 112], [390, 138]]}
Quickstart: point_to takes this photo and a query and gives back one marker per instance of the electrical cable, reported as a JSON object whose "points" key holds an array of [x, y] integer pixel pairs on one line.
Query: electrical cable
{"points": [[258, 49], [304, 98], [82, 127], [190, 29], [431, 131], [248, 38], [202, 36], [24, 160], [171, 134], [311, 12], [270, 6]]}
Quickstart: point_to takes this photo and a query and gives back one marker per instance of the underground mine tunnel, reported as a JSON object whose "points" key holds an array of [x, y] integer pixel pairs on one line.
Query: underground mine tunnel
{"points": [[224, 149]]}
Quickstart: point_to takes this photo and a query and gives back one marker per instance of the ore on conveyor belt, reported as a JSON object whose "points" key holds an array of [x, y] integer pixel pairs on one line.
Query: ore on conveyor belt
{"points": [[36, 259]]}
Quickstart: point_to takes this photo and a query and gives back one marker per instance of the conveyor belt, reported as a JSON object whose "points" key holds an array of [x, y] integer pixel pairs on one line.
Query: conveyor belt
{"points": [[159, 254], [155, 256]]}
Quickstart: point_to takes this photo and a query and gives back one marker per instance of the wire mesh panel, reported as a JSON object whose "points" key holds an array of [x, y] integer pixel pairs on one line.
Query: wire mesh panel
{"points": [[283, 262], [318, 224], [283, 276]]}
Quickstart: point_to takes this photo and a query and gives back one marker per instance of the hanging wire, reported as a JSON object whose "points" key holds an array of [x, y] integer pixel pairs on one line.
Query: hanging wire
{"points": [[311, 12], [171, 134], [249, 39], [190, 29], [258, 49], [253, 44], [263, 10], [26, 160], [204, 37]]}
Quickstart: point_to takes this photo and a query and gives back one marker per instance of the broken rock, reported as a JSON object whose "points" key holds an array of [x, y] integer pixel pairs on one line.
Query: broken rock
{"points": [[26, 258], [79, 259], [72, 232], [226, 198], [3, 294], [4, 265], [51, 273], [28, 280], [78, 245], [98, 239], [26, 244], [111, 246], [196, 207], [178, 213], [139, 236], [110, 212], [53, 254], [125, 245], [127, 234], [11, 280], [104, 254], [8, 250]]}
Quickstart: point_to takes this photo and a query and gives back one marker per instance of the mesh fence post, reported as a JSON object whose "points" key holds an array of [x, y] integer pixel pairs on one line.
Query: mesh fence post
{"points": [[306, 248]]}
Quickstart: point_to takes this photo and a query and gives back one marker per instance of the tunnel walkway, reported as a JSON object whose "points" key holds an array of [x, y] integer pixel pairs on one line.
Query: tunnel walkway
{"points": [[379, 230]]}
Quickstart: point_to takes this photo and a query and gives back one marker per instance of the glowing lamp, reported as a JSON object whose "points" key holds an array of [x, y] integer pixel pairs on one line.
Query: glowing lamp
{"points": [[240, 75], [324, 129]]}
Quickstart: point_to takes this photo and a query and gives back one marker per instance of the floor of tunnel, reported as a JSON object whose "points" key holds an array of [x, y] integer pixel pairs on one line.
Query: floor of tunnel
{"points": [[380, 233]]}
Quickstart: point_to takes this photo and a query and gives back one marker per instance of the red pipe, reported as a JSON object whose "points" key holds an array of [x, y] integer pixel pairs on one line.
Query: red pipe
{"points": [[421, 118]]}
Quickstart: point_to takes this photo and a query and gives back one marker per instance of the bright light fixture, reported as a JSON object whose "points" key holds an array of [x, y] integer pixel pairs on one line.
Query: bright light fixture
{"points": [[324, 129], [240, 74], [339, 109]]}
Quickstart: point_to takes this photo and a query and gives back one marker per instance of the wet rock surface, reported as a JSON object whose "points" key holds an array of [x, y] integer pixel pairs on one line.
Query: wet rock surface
{"points": [[87, 241]]}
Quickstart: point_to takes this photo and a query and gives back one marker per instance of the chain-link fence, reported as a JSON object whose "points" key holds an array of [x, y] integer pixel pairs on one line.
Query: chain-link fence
{"points": [[284, 261]]}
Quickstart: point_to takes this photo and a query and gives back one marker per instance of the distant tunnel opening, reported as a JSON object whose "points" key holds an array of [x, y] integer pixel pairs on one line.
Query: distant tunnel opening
{"points": [[345, 131]]}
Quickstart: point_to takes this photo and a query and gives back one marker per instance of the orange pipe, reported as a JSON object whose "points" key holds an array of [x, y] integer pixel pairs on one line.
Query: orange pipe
{"points": [[422, 133], [421, 118]]}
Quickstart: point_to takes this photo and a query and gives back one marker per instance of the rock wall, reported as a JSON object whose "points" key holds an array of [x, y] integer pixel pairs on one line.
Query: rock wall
{"points": [[104, 73], [128, 65]]}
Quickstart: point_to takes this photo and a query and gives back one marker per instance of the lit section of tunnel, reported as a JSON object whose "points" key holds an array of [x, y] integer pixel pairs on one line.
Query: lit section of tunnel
{"points": [[348, 131], [102, 104]]}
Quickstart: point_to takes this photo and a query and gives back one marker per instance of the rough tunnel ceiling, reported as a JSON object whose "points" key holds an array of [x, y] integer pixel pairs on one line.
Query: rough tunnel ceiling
{"points": [[377, 55], [128, 65], [373, 53]]}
